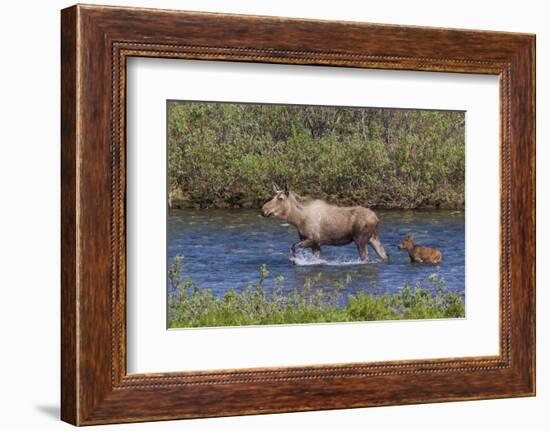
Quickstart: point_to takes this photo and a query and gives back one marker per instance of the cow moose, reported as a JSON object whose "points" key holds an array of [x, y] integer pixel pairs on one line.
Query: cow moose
{"points": [[320, 223]]}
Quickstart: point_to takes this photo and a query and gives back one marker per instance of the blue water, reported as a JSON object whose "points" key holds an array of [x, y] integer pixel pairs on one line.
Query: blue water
{"points": [[224, 248]]}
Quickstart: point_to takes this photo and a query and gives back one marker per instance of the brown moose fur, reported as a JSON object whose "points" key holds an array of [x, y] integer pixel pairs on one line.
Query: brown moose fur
{"points": [[320, 223]]}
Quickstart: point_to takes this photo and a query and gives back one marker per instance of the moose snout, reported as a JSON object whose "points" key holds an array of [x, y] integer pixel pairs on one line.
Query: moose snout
{"points": [[266, 212]]}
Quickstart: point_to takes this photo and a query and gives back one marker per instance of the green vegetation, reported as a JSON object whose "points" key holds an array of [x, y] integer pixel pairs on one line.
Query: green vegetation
{"points": [[228, 155], [191, 306]]}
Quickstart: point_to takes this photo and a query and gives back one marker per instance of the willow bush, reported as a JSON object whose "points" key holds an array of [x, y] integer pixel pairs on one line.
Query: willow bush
{"points": [[228, 155]]}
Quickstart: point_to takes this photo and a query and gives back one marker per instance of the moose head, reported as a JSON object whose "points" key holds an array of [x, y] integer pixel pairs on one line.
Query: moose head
{"points": [[279, 205], [407, 243]]}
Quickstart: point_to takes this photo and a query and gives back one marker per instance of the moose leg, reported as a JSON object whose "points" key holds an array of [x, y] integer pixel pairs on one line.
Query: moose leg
{"points": [[377, 245], [316, 249], [302, 244], [362, 241], [363, 250]]}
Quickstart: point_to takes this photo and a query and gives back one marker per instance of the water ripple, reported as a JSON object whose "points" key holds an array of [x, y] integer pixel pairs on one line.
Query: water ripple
{"points": [[224, 248]]}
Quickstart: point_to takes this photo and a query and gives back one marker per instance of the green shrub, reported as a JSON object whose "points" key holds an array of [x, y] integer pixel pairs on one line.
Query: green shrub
{"points": [[228, 155], [191, 306]]}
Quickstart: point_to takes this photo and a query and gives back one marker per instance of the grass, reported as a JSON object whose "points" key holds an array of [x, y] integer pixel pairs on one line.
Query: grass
{"points": [[190, 306]]}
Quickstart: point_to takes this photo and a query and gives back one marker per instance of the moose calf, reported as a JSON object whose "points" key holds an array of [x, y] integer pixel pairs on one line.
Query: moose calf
{"points": [[418, 253]]}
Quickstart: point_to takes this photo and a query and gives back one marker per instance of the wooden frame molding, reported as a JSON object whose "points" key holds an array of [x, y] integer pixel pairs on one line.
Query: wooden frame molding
{"points": [[95, 43]]}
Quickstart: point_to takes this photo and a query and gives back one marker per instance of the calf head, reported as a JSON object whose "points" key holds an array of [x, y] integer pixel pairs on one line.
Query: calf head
{"points": [[407, 243]]}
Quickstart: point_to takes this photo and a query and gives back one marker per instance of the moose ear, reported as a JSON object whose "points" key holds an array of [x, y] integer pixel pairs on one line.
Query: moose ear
{"points": [[276, 188]]}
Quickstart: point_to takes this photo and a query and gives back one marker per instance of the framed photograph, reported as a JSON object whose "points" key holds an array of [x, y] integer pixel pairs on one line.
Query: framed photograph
{"points": [[264, 215]]}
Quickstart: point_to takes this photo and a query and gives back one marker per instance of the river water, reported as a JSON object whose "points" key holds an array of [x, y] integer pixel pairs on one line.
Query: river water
{"points": [[224, 248]]}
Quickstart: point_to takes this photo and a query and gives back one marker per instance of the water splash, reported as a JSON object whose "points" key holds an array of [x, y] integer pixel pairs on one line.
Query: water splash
{"points": [[309, 259]]}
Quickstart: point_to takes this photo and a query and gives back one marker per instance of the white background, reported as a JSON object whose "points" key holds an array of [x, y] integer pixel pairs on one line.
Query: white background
{"points": [[29, 221], [151, 348]]}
